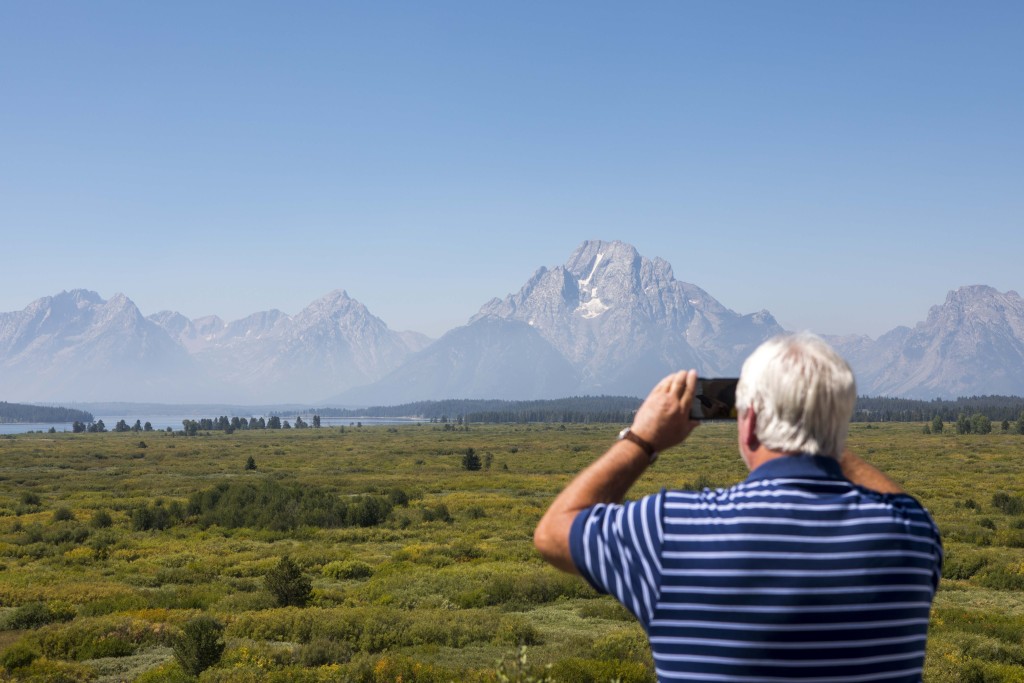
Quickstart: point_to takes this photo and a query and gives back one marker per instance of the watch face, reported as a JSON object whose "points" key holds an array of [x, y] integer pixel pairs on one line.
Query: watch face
{"points": [[622, 434]]}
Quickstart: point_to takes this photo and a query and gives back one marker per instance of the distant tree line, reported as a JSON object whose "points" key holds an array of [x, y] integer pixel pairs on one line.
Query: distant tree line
{"points": [[20, 412], [226, 425], [885, 409], [615, 409]]}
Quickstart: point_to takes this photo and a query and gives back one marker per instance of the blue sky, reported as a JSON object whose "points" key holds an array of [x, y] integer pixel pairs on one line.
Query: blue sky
{"points": [[842, 165]]}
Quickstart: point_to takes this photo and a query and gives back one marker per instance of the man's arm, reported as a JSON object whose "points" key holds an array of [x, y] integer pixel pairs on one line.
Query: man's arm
{"points": [[863, 474], [663, 421]]}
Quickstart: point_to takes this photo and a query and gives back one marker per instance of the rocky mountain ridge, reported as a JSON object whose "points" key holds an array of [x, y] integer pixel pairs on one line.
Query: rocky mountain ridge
{"points": [[78, 346], [607, 321]]}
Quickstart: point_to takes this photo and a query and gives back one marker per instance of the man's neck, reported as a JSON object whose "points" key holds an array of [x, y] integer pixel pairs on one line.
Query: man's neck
{"points": [[761, 455]]}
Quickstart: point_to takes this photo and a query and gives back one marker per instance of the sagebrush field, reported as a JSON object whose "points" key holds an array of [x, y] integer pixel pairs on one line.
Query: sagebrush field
{"points": [[416, 568]]}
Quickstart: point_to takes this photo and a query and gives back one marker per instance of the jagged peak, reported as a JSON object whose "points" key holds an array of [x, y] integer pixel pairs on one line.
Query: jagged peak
{"points": [[82, 296], [969, 292], [336, 295], [591, 253]]}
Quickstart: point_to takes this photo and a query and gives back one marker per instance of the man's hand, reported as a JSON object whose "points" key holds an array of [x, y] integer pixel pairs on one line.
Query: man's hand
{"points": [[663, 421], [664, 418]]}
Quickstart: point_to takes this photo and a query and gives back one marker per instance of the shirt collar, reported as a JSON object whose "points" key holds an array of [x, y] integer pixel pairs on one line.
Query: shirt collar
{"points": [[799, 466]]}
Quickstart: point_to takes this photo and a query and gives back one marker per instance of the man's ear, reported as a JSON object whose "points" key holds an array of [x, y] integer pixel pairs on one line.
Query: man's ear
{"points": [[748, 429]]}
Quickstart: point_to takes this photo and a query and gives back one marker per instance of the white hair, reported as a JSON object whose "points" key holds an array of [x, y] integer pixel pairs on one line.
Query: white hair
{"points": [[802, 392]]}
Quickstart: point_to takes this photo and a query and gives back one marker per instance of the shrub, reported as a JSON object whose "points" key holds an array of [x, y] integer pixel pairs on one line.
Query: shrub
{"points": [[63, 514], [522, 590], [168, 672], [270, 505], [517, 670], [1008, 504], [470, 460], [321, 651], [30, 498], [351, 569], [581, 670], [17, 656], [605, 609], [288, 584], [200, 644], [89, 638], [515, 630], [156, 516], [625, 645], [250, 463], [398, 497], [101, 519], [1000, 577], [437, 513], [36, 614], [43, 670], [957, 566]]}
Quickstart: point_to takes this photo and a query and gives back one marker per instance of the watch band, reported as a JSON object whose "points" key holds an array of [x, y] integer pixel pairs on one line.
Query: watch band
{"points": [[628, 434]]}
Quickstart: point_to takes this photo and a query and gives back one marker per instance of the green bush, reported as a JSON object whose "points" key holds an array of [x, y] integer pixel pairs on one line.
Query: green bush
{"points": [[36, 614], [437, 513], [368, 629], [515, 630], [1000, 577], [580, 670], [349, 569], [63, 514], [1004, 627], [524, 590], [30, 499], [605, 608], [200, 644], [83, 638], [17, 656], [1010, 505], [101, 519], [398, 497], [287, 583], [43, 670], [321, 651], [517, 670], [957, 565], [156, 516], [270, 505], [60, 533], [624, 645], [168, 672]]}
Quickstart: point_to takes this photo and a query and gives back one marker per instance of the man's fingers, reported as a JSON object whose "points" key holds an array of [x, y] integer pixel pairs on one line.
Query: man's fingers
{"points": [[677, 383], [665, 384], [689, 379]]}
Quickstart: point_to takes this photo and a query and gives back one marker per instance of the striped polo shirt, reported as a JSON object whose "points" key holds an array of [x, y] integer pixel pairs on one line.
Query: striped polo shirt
{"points": [[795, 574]]}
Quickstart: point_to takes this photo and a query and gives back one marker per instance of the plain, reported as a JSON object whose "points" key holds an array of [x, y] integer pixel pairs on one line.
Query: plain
{"points": [[422, 568]]}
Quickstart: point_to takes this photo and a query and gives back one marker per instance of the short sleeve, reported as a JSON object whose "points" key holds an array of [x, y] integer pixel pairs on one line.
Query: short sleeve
{"points": [[617, 549]]}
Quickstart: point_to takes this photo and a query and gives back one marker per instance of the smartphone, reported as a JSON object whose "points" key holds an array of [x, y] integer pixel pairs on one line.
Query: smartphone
{"points": [[715, 399]]}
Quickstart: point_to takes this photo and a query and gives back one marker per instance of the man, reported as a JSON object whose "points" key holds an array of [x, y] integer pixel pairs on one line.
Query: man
{"points": [[817, 567]]}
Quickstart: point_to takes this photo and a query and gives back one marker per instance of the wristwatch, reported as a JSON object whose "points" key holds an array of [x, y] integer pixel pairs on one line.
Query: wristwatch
{"points": [[628, 434]]}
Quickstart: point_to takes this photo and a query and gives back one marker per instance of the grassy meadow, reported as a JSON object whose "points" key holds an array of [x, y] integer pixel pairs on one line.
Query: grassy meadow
{"points": [[420, 570]]}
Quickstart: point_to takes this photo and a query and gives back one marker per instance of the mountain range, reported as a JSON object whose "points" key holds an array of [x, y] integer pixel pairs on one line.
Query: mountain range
{"points": [[607, 321]]}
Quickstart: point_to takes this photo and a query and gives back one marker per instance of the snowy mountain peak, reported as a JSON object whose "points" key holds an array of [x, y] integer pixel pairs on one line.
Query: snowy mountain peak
{"points": [[621, 318]]}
